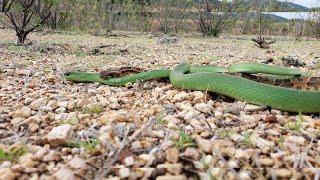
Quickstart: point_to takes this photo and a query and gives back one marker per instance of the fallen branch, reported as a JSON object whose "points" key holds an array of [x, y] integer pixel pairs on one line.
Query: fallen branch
{"points": [[262, 43]]}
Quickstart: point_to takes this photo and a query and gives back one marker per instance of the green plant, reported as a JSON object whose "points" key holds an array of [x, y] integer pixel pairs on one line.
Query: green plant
{"points": [[11, 47], [46, 69], [161, 121], [247, 140], [13, 154], [184, 141], [225, 133], [281, 141], [93, 110], [297, 125], [80, 53], [88, 145]]}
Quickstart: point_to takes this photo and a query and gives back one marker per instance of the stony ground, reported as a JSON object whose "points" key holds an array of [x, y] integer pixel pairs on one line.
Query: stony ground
{"points": [[51, 128]]}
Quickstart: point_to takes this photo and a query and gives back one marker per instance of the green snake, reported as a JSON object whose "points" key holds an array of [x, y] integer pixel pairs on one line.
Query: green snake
{"points": [[219, 80]]}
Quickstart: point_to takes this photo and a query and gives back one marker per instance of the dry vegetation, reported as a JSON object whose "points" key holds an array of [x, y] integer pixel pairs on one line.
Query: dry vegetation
{"points": [[53, 128]]}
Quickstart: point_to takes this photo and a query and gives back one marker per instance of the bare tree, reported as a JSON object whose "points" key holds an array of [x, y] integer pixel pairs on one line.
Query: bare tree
{"points": [[5, 5], [261, 41], [213, 17], [22, 16]]}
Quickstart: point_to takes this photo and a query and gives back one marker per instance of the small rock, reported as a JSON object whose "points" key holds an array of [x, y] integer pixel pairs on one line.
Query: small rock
{"points": [[129, 161], [243, 154], [181, 97], [78, 163], [52, 104], [41, 153], [292, 61], [283, 173], [204, 145], [189, 115], [64, 173], [26, 161], [5, 164], [202, 107], [24, 112], [60, 135], [62, 104], [175, 169], [172, 155], [295, 140], [7, 174], [147, 159], [4, 117], [278, 155], [60, 110], [218, 114], [261, 143], [37, 104], [83, 116], [266, 162], [251, 107], [192, 153], [33, 127], [124, 172], [60, 117], [157, 134], [237, 138], [169, 177], [198, 96], [233, 109], [223, 146], [208, 160], [248, 119], [114, 116], [16, 121], [136, 145], [233, 164], [51, 156], [23, 72], [271, 119], [244, 175]]}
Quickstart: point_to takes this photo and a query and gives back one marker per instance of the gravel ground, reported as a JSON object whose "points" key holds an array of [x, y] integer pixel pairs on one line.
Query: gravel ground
{"points": [[54, 129]]}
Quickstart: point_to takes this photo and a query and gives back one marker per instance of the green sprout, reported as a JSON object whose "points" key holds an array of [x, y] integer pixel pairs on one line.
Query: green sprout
{"points": [[184, 141], [93, 110], [247, 140], [87, 145], [297, 125], [13, 153]]}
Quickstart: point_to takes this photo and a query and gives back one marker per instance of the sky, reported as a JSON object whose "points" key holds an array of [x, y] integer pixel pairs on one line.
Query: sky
{"points": [[306, 3]]}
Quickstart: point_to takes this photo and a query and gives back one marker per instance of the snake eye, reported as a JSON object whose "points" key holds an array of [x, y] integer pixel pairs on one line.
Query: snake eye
{"points": [[67, 73]]}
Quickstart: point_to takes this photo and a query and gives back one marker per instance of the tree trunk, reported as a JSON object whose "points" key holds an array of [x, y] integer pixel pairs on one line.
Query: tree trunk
{"points": [[22, 36]]}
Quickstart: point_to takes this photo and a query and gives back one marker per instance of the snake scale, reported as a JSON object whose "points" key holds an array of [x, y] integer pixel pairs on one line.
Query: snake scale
{"points": [[220, 80]]}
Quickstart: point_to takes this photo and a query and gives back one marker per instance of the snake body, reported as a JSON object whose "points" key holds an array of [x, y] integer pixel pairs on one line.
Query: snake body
{"points": [[215, 79]]}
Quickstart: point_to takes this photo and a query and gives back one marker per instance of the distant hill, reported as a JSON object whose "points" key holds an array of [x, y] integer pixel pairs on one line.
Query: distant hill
{"points": [[274, 17], [289, 6], [278, 6], [270, 5]]}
